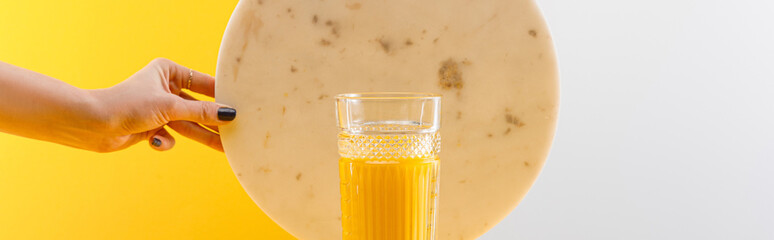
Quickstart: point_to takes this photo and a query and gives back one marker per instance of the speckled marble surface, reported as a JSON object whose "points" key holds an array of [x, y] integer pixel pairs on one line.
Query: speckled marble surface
{"points": [[281, 62]]}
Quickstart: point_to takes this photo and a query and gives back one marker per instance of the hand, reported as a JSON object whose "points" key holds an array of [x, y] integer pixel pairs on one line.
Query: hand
{"points": [[138, 108]]}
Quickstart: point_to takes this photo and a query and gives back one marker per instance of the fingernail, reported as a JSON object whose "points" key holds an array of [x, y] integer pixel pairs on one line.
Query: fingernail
{"points": [[226, 114], [156, 142]]}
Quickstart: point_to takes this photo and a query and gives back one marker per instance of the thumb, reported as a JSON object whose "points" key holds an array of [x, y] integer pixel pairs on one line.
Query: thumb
{"points": [[204, 112]]}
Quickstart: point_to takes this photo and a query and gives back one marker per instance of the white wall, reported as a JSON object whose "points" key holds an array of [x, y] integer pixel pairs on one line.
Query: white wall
{"points": [[666, 124]]}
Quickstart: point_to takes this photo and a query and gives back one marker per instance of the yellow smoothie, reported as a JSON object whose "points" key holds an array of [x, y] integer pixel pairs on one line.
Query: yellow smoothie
{"points": [[392, 198]]}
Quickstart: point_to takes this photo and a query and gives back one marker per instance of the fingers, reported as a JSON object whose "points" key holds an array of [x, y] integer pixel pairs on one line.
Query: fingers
{"points": [[161, 140], [189, 97], [204, 112], [179, 76], [213, 128], [198, 133], [187, 108]]}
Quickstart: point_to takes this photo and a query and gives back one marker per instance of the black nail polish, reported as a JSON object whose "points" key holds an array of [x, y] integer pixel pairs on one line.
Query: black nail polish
{"points": [[226, 114], [156, 142]]}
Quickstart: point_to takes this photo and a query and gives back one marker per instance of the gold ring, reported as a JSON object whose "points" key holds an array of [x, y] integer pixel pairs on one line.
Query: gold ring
{"points": [[190, 78]]}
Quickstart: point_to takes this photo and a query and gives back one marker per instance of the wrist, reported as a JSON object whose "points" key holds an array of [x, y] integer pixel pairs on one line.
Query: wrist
{"points": [[94, 112]]}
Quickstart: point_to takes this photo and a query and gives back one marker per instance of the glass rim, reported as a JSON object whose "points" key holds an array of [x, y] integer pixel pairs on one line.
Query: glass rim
{"points": [[388, 96]]}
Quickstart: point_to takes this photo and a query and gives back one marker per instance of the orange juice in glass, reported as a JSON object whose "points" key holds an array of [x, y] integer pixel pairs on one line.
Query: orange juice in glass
{"points": [[389, 167]]}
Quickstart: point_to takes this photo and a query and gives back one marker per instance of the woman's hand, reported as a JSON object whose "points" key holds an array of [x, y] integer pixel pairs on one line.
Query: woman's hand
{"points": [[138, 108], [104, 120]]}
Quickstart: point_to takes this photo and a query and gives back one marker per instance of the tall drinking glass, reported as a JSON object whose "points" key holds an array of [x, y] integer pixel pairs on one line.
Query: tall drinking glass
{"points": [[389, 145]]}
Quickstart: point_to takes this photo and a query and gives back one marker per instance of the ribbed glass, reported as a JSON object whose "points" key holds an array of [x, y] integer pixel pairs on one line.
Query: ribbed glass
{"points": [[389, 167]]}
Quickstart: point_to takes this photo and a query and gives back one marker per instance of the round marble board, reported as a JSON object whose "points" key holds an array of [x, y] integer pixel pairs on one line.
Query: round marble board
{"points": [[281, 62]]}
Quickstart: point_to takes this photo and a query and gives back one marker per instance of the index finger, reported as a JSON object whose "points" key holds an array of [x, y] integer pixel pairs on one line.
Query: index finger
{"points": [[200, 82]]}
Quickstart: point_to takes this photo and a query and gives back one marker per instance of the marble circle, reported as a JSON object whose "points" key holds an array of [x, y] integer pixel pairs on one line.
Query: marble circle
{"points": [[281, 62]]}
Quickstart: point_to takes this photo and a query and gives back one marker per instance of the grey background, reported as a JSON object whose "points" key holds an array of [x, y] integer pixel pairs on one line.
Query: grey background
{"points": [[665, 124]]}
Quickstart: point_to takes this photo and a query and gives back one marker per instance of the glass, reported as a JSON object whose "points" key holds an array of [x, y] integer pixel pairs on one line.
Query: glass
{"points": [[389, 145]]}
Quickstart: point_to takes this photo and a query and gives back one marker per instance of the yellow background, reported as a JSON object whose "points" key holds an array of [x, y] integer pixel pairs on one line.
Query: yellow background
{"points": [[49, 191]]}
